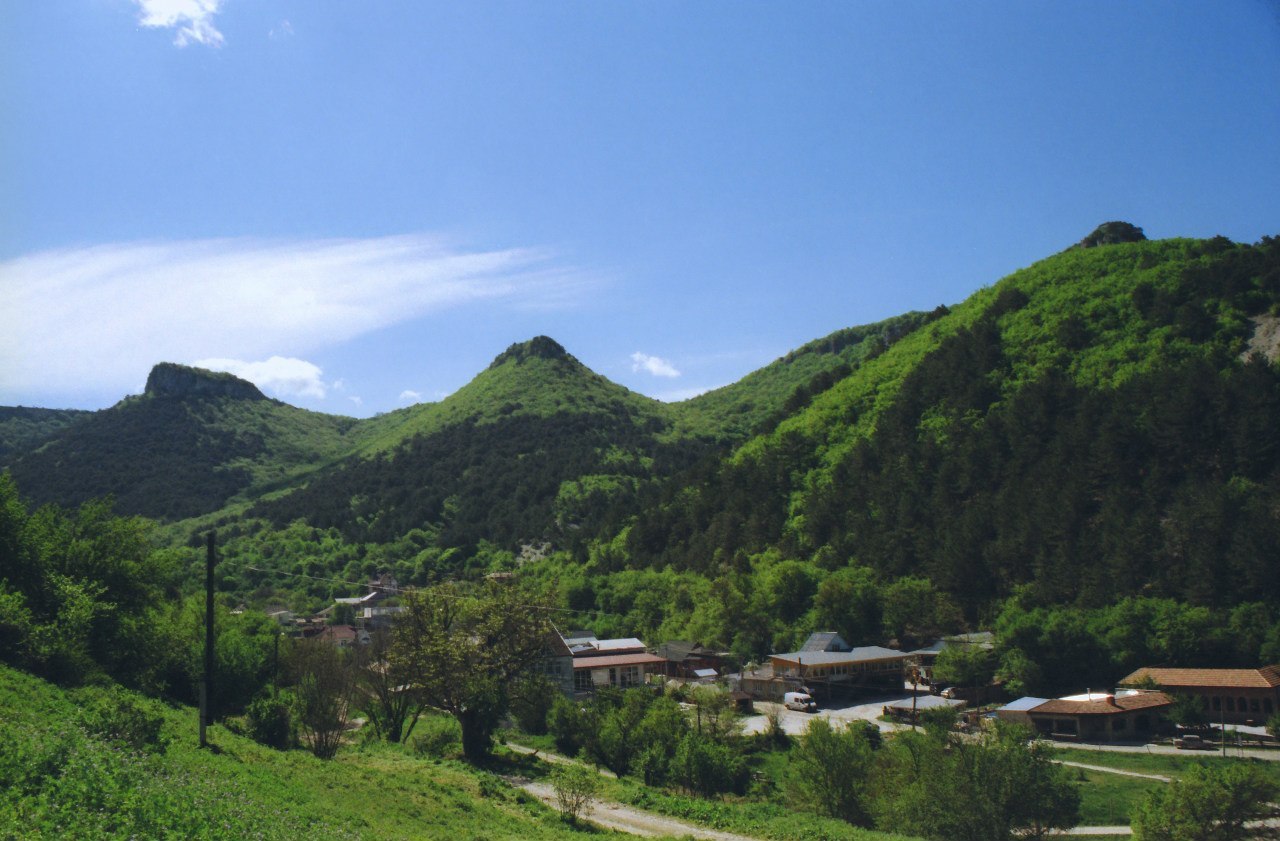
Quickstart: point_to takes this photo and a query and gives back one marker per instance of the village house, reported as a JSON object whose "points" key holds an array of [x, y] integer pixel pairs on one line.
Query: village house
{"points": [[344, 636], [579, 663], [1231, 696], [690, 660], [1126, 715]]}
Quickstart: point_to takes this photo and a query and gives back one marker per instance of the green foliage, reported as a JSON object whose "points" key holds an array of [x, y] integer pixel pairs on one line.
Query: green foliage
{"points": [[23, 429], [80, 592], [998, 787], [59, 781], [466, 650], [1087, 426], [270, 720], [118, 716], [323, 677], [965, 665], [1210, 803], [575, 786], [178, 456], [704, 766], [437, 736], [829, 769]]}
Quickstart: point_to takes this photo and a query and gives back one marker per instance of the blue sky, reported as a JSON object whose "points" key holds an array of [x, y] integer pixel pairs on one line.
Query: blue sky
{"points": [[358, 205]]}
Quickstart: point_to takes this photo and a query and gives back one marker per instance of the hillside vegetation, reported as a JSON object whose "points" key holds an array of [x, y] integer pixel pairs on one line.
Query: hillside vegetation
{"points": [[68, 770], [1087, 427], [23, 428]]}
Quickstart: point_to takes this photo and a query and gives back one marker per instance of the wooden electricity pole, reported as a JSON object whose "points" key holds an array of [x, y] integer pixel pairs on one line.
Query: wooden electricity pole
{"points": [[206, 682]]}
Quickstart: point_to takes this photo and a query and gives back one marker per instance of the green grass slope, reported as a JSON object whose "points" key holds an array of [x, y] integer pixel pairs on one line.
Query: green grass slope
{"points": [[59, 780]]}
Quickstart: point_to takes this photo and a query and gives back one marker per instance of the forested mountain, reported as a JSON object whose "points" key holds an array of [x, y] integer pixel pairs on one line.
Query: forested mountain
{"points": [[1096, 425], [536, 443], [1101, 424], [23, 428], [190, 444]]}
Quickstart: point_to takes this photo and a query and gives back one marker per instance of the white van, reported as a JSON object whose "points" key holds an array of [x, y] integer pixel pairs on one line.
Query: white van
{"points": [[800, 701]]}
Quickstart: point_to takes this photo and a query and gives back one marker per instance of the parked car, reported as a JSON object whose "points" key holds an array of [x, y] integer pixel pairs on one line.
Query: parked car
{"points": [[1192, 742], [800, 701]]}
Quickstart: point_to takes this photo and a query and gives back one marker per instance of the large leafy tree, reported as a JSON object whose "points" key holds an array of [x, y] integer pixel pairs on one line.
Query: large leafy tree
{"points": [[1210, 803], [468, 651], [829, 769], [938, 785]]}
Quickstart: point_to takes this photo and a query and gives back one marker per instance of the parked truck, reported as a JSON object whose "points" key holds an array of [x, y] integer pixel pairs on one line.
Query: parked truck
{"points": [[800, 701]]}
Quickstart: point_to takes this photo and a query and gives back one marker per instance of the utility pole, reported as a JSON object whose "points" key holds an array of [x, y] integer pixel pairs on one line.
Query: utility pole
{"points": [[206, 683]]}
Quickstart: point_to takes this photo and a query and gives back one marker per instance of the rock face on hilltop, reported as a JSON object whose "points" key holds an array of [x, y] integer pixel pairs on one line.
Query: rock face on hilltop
{"points": [[170, 380], [1112, 233], [539, 347]]}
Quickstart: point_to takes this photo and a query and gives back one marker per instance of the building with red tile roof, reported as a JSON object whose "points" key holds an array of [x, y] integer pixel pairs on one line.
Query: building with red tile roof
{"points": [[1235, 696]]}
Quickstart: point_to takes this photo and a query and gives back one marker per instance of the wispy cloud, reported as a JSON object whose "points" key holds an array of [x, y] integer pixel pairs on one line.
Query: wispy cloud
{"points": [[410, 396], [655, 365], [193, 20], [104, 314], [279, 375]]}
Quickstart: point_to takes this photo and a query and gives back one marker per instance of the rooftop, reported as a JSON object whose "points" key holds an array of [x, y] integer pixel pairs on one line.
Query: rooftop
{"points": [[1105, 704], [1265, 678], [864, 654], [599, 662]]}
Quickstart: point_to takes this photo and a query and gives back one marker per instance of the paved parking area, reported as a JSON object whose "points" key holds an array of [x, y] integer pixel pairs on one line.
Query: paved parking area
{"points": [[794, 723]]}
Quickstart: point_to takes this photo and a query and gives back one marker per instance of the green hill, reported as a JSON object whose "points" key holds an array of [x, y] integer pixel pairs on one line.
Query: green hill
{"points": [[190, 444], [535, 446], [764, 397], [23, 429], [1091, 426]]}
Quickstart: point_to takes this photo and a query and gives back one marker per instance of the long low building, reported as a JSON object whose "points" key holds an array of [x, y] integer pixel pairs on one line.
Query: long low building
{"points": [[867, 667], [1233, 696], [1092, 717]]}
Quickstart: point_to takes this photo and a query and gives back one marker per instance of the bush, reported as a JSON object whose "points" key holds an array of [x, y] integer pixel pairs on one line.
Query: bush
{"points": [[270, 720], [437, 736], [120, 716], [576, 786]]}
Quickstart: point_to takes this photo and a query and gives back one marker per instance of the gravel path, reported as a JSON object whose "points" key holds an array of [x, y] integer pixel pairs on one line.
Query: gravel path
{"points": [[631, 820]]}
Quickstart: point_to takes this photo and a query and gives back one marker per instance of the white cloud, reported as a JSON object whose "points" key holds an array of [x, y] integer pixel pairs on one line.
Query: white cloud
{"points": [[410, 396], [103, 315], [359, 401], [283, 377], [283, 29], [192, 18], [655, 365]]}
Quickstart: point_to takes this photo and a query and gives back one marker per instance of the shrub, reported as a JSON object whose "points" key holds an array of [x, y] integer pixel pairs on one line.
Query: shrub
{"points": [[437, 736], [576, 786], [120, 716], [270, 720]]}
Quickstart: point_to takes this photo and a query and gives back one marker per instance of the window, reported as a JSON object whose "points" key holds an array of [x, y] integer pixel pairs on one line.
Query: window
{"points": [[1266, 706], [582, 680], [1240, 705], [1254, 706], [1217, 703], [1231, 705]]}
